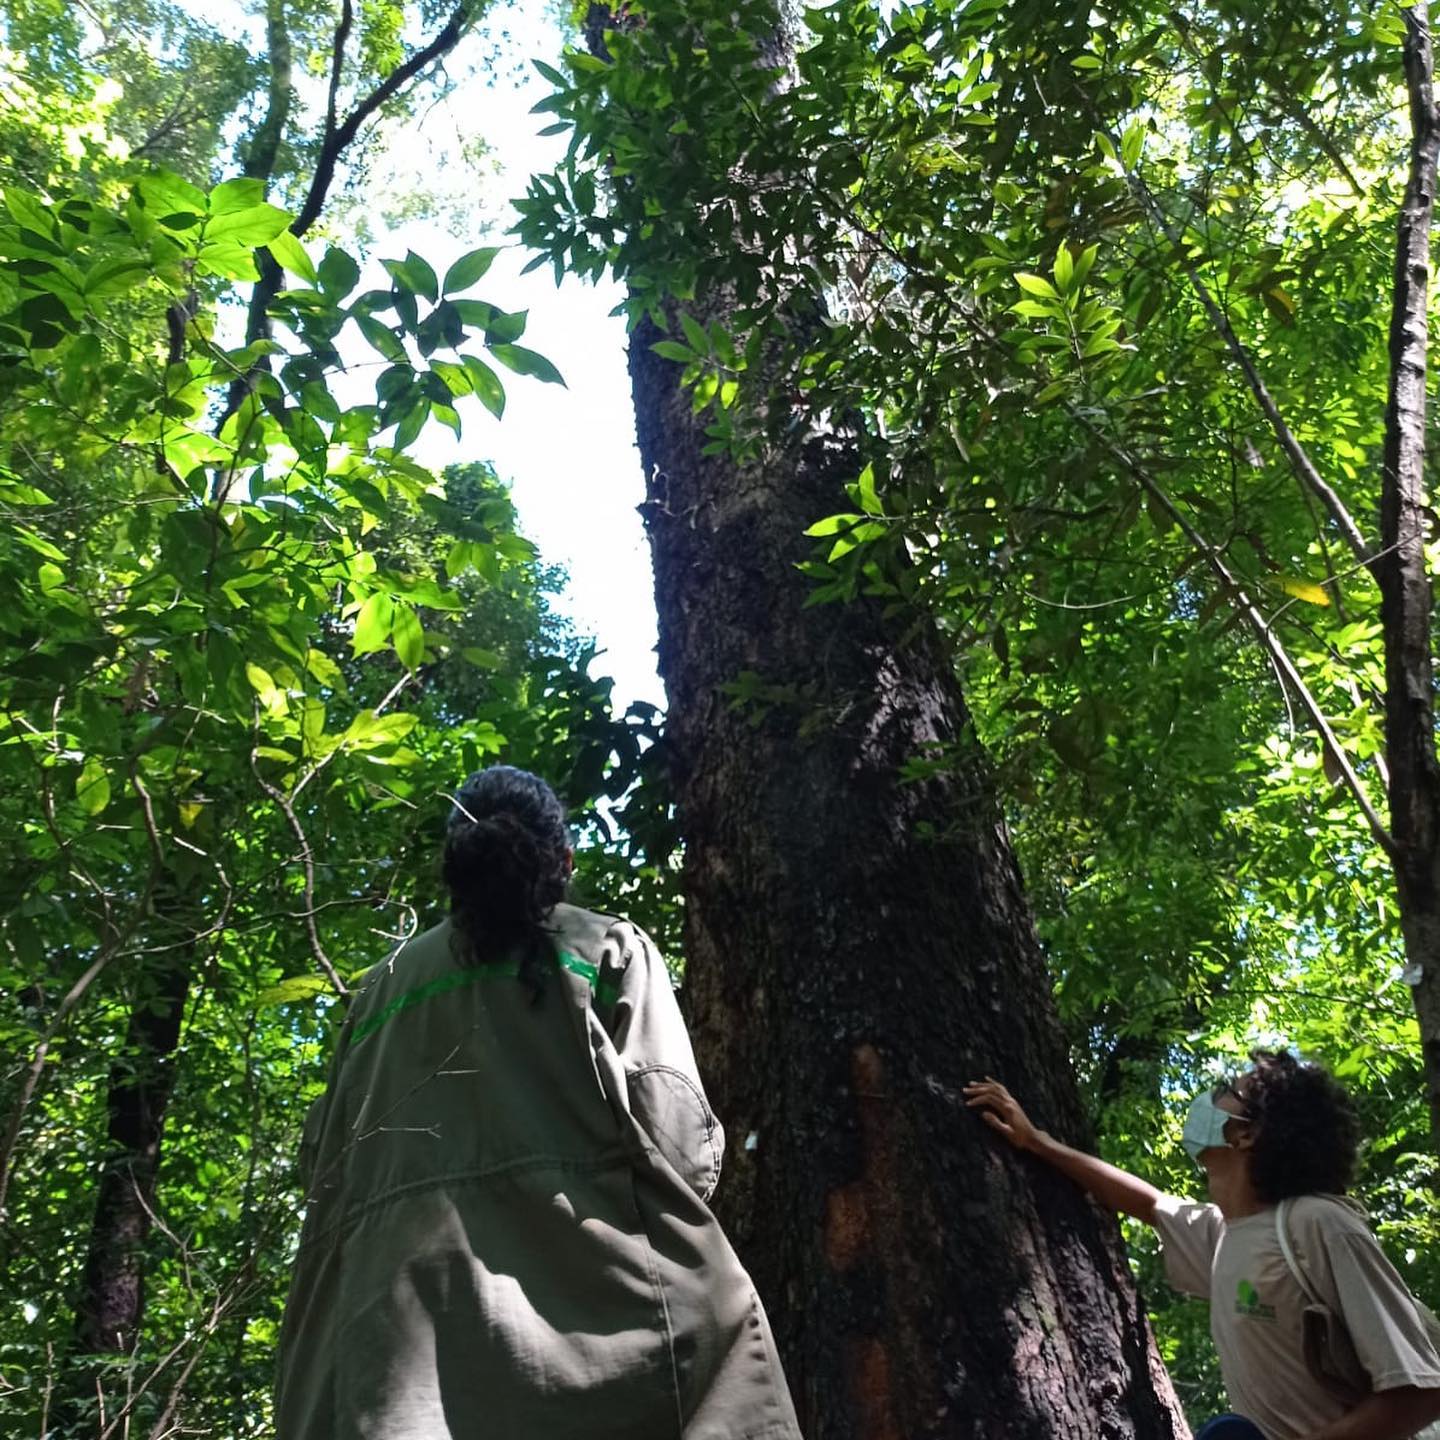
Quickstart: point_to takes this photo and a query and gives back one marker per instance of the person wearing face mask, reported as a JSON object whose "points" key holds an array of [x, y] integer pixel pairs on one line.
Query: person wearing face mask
{"points": [[1318, 1337]]}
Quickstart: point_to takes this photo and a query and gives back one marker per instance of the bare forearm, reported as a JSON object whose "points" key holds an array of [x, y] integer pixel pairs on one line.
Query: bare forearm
{"points": [[1387, 1415], [1114, 1188]]}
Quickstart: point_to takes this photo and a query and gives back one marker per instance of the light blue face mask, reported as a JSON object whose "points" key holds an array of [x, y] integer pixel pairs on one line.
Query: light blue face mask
{"points": [[1204, 1125]]}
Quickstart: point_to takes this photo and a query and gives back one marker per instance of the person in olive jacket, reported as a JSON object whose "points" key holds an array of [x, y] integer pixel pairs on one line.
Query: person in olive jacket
{"points": [[507, 1180]]}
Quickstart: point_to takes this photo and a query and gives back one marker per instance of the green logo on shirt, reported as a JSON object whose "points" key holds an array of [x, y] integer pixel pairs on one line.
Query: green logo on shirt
{"points": [[1247, 1302]]}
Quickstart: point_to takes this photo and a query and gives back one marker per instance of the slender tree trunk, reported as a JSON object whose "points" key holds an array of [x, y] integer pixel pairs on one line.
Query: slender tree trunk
{"points": [[142, 1077], [111, 1304], [1406, 597], [262, 149]]}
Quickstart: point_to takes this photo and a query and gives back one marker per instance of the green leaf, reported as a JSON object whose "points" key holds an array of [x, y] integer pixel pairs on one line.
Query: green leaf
{"points": [[324, 669], [869, 500], [228, 259], [92, 788], [1037, 309], [1098, 345], [163, 192], [255, 225], [244, 193], [674, 350], [1280, 304], [469, 268], [293, 990], [424, 276], [414, 275], [411, 424], [695, 333], [504, 326], [409, 636], [372, 624], [1132, 142], [1083, 263], [272, 697], [338, 274], [833, 524], [369, 730], [1064, 270], [382, 337], [312, 723], [114, 277], [290, 254], [456, 378], [14, 491], [1036, 285], [487, 385], [527, 362]]}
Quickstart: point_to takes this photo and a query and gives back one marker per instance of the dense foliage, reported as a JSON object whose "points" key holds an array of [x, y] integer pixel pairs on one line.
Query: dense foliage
{"points": [[1050, 266], [249, 647]]}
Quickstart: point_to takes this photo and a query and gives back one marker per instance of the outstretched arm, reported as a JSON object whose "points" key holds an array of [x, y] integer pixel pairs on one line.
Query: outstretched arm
{"points": [[1114, 1188]]}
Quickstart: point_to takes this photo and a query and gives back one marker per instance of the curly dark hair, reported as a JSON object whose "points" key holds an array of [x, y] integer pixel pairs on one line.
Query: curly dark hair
{"points": [[1305, 1127], [506, 865]]}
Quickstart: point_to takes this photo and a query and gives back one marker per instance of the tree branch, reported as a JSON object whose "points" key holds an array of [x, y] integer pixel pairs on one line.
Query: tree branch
{"points": [[337, 65], [1264, 631], [1300, 461], [336, 144], [307, 862], [337, 140]]}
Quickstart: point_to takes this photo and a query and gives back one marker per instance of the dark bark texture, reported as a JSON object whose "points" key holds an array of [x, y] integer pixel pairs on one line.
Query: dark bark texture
{"points": [[142, 1077], [857, 948], [1406, 599]]}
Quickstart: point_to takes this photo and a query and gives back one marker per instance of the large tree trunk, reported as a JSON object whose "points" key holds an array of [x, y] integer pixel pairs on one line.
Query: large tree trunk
{"points": [[142, 1077], [1406, 598], [857, 948]]}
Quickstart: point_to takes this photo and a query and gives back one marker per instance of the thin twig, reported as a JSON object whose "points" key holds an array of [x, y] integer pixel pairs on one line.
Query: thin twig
{"points": [[307, 862], [1295, 452], [1262, 628]]}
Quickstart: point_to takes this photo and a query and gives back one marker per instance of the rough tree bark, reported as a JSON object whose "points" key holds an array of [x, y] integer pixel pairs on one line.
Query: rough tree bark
{"points": [[1406, 600]]}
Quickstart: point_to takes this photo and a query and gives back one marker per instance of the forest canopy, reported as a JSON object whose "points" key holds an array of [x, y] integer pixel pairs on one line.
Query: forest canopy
{"points": [[1108, 307]]}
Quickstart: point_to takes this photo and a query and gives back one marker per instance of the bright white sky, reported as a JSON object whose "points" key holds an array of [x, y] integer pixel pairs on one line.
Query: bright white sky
{"points": [[569, 453]]}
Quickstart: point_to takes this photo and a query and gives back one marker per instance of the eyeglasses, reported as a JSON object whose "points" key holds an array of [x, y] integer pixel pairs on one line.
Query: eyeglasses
{"points": [[1228, 1087]]}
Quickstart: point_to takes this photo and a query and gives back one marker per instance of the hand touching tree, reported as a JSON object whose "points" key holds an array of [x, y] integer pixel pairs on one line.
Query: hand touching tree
{"points": [[1000, 1110], [1115, 1189]]}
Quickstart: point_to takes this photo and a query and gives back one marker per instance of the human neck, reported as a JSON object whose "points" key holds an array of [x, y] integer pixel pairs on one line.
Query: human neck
{"points": [[1233, 1193]]}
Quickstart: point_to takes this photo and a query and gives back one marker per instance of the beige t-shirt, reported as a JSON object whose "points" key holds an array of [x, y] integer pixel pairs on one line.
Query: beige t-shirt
{"points": [[1256, 1306]]}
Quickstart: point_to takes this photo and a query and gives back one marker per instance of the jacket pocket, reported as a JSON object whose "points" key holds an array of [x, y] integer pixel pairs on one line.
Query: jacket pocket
{"points": [[672, 1110]]}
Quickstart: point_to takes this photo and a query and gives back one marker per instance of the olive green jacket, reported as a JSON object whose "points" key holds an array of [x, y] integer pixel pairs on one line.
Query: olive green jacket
{"points": [[507, 1233]]}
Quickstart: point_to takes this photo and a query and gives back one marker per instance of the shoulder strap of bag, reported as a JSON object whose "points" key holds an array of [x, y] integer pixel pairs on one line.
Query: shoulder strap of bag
{"points": [[1282, 1234], [1428, 1319]]}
